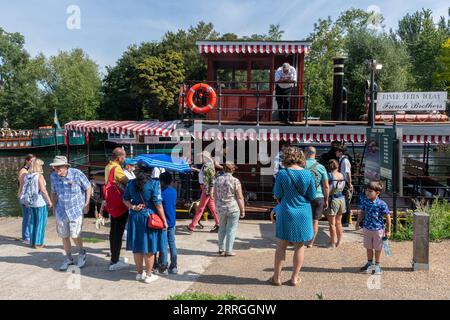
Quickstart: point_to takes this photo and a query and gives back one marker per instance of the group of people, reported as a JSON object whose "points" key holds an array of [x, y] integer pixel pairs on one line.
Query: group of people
{"points": [[304, 191], [303, 188]]}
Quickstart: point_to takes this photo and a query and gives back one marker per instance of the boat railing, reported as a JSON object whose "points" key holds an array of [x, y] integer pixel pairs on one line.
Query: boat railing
{"points": [[259, 90]]}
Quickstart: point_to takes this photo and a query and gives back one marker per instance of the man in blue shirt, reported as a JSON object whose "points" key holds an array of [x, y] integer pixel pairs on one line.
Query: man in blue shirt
{"points": [[71, 193], [169, 196]]}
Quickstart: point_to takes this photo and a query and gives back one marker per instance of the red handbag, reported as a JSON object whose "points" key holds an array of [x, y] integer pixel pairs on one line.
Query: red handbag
{"points": [[154, 221], [113, 197]]}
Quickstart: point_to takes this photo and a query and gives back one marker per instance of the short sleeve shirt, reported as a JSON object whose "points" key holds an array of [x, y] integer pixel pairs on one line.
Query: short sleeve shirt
{"points": [[71, 193], [291, 75], [322, 172], [225, 189], [374, 213], [151, 194]]}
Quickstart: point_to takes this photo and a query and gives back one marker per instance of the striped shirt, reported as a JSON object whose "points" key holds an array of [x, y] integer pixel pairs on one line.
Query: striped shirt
{"points": [[71, 193]]}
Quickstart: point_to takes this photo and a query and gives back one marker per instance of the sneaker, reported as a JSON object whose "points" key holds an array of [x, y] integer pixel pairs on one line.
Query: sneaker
{"points": [[155, 270], [230, 254], [65, 265], [173, 270], [123, 259], [163, 271], [150, 279], [81, 260], [378, 270], [118, 266], [141, 277], [98, 223], [366, 267], [215, 229], [26, 242]]}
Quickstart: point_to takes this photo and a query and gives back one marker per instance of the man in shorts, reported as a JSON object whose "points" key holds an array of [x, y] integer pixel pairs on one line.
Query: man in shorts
{"points": [[319, 204], [71, 193]]}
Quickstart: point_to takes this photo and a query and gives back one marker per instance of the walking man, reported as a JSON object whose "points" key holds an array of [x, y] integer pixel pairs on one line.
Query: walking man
{"points": [[71, 193], [285, 79], [320, 203]]}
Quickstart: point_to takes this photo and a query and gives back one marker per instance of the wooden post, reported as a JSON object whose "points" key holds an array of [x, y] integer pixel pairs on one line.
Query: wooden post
{"points": [[421, 241]]}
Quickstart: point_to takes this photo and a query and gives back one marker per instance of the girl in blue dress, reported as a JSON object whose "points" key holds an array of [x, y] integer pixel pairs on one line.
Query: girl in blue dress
{"points": [[143, 197], [294, 189]]}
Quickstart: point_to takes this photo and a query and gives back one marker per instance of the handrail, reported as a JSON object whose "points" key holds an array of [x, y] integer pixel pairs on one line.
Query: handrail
{"points": [[258, 94]]}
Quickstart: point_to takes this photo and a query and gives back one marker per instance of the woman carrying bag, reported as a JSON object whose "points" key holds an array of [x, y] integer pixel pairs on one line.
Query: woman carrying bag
{"points": [[144, 235]]}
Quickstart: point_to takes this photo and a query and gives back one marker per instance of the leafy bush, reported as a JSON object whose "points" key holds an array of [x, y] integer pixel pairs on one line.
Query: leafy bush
{"points": [[439, 212]]}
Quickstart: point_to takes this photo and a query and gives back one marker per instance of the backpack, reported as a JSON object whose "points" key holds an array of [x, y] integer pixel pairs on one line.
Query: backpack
{"points": [[30, 191], [316, 174], [113, 197]]}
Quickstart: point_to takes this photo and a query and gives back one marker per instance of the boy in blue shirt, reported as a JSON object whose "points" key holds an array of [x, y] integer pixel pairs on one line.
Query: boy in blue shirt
{"points": [[169, 195], [373, 210]]}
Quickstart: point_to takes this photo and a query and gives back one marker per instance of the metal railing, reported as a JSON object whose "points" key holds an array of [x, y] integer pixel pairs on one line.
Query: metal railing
{"points": [[301, 100]]}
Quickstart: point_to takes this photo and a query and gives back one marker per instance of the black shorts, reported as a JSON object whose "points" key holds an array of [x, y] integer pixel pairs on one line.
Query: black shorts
{"points": [[317, 208]]}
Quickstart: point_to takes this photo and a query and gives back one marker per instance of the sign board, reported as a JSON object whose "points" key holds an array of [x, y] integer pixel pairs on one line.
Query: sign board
{"points": [[380, 156], [411, 101]]}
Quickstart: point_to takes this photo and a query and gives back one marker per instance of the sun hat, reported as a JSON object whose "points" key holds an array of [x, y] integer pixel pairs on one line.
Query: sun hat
{"points": [[59, 161]]}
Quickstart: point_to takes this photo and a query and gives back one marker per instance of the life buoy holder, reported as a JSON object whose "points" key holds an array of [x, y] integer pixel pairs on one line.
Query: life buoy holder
{"points": [[211, 102]]}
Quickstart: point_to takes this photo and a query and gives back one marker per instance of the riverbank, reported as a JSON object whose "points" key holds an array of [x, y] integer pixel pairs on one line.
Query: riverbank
{"points": [[30, 274]]}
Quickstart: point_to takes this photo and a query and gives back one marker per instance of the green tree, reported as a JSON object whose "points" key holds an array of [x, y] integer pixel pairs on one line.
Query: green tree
{"points": [[20, 97], [73, 86], [160, 80], [328, 41], [362, 45], [423, 41], [441, 77]]}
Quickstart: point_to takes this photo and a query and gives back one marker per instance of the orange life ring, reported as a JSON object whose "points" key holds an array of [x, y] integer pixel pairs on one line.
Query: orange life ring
{"points": [[212, 98]]}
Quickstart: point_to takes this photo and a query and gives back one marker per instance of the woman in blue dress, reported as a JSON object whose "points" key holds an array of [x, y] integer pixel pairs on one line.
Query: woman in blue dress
{"points": [[294, 189], [143, 197]]}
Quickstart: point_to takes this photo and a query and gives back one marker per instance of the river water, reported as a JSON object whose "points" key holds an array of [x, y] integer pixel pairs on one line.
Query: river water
{"points": [[10, 164]]}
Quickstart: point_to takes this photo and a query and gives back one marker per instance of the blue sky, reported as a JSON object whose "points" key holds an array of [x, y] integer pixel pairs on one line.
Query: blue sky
{"points": [[109, 27]]}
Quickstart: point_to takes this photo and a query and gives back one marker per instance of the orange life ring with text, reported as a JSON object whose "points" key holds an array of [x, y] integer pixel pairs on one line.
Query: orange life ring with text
{"points": [[211, 102]]}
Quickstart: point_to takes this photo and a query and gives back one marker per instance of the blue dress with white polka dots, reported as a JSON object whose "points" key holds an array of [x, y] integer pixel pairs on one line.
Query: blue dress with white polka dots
{"points": [[294, 221]]}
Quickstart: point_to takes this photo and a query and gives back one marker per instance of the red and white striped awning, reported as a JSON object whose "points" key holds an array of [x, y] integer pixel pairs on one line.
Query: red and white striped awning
{"points": [[221, 47], [294, 137], [312, 137], [434, 139], [145, 128]]}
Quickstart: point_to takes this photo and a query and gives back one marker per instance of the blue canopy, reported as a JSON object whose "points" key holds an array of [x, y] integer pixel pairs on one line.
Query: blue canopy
{"points": [[164, 161]]}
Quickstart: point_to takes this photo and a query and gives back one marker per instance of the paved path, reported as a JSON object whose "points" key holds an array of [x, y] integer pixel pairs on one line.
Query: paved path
{"points": [[27, 273]]}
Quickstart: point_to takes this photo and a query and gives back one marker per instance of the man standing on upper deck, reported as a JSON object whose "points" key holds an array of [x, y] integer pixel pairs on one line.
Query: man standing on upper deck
{"points": [[285, 79]]}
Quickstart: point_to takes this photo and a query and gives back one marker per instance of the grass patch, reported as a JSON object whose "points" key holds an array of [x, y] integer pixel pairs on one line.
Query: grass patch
{"points": [[439, 212], [203, 296], [92, 240]]}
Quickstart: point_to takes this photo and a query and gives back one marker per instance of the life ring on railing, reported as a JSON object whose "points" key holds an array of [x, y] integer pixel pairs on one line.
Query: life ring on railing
{"points": [[211, 102]]}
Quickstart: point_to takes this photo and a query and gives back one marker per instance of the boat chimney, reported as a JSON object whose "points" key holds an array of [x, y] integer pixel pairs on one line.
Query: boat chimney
{"points": [[337, 111]]}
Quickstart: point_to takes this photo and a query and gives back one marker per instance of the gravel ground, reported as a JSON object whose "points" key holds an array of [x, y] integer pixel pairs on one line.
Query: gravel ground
{"points": [[27, 273]]}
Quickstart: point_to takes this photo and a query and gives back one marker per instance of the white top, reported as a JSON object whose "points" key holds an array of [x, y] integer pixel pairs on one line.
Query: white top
{"points": [[156, 172], [129, 175], [40, 202], [291, 75], [345, 167]]}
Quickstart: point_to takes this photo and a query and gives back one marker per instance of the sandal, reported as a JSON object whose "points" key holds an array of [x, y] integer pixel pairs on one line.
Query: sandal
{"points": [[230, 254], [296, 284], [274, 283], [221, 253], [189, 229]]}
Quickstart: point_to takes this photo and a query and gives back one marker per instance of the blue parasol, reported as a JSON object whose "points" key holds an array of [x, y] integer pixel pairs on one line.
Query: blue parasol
{"points": [[165, 161]]}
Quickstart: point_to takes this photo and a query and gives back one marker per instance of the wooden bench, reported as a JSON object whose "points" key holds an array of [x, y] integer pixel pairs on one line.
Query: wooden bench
{"points": [[417, 181]]}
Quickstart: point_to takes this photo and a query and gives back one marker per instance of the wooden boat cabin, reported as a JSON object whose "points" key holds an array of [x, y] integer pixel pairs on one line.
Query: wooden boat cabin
{"points": [[243, 73]]}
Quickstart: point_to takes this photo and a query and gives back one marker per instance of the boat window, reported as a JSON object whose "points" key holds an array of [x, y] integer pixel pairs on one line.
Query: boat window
{"points": [[232, 74], [261, 73]]}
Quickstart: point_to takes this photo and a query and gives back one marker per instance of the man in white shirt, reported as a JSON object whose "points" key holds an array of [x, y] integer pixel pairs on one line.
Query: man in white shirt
{"points": [[345, 167], [285, 79]]}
